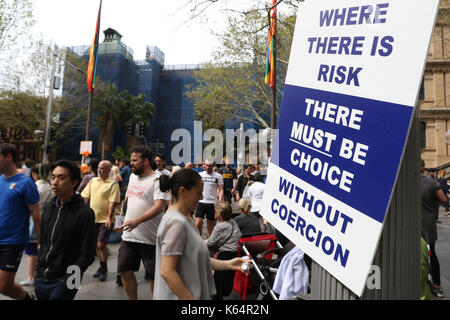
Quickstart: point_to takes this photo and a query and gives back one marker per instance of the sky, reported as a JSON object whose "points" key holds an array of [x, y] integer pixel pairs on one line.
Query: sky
{"points": [[140, 22]]}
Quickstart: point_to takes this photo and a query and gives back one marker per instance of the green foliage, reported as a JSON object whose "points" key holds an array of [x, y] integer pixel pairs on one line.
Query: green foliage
{"points": [[16, 19], [233, 86], [121, 153], [110, 104], [115, 108], [21, 115], [24, 103]]}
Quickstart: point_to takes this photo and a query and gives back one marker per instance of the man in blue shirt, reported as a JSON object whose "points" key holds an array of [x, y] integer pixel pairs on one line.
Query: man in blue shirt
{"points": [[125, 171], [19, 198]]}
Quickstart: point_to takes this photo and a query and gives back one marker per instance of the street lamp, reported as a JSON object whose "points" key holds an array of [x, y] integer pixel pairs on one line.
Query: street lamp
{"points": [[54, 84]]}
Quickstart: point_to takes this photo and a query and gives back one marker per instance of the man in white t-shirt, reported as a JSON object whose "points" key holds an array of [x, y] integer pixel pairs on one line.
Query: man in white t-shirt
{"points": [[160, 165], [144, 213], [212, 189]]}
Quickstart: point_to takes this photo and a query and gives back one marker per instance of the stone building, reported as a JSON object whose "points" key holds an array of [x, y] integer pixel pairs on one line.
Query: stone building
{"points": [[434, 96]]}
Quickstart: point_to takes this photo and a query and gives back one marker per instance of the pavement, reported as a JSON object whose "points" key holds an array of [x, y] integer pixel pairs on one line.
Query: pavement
{"points": [[443, 251], [93, 289]]}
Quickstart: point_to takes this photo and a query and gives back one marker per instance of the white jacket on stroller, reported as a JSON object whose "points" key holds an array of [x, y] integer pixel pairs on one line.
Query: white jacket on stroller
{"points": [[292, 276]]}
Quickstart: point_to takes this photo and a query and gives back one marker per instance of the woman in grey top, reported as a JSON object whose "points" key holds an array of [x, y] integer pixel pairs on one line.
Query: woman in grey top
{"points": [[183, 266], [226, 233], [224, 243]]}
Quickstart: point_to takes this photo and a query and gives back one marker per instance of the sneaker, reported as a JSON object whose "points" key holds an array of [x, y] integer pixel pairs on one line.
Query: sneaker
{"points": [[27, 282], [437, 292], [102, 275], [30, 296], [97, 273], [119, 281]]}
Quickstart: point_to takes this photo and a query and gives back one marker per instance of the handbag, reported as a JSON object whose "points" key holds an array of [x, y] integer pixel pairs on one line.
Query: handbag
{"points": [[214, 250]]}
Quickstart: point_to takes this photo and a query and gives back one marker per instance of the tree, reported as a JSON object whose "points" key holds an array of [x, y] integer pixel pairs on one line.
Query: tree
{"points": [[24, 97], [113, 107], [233, 87], [21, 116], [121, 153], [16, 19], [201, 8]]}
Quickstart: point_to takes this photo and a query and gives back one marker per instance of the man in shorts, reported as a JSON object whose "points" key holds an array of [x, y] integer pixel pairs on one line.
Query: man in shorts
{"points": [[19, 198], [145, 208], [212, 189], [104, 195]]}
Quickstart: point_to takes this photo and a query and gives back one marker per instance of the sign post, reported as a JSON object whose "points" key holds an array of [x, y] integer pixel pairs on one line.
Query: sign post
{"points": [[85, 149], [354, 74]]}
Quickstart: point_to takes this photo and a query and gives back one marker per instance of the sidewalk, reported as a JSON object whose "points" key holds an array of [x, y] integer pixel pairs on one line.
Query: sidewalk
{"points": [[93, 289], [443, 252]]}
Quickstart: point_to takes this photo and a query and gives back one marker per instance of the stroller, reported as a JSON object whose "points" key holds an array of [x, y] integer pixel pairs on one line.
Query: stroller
{"points": [[266, 253]]}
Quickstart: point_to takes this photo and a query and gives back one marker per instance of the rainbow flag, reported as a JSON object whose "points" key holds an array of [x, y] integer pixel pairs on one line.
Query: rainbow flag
{"points": [[270, 74], [92, 66]]}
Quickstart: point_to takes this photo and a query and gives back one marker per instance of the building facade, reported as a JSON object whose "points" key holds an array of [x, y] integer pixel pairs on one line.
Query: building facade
{"points": [[163, 85], [434, 97]]}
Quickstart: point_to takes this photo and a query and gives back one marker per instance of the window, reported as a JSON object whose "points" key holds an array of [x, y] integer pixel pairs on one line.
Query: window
{"points": [[423, 135], [422, 90]]}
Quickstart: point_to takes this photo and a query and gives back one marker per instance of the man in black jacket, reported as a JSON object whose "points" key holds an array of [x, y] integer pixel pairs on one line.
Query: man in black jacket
{"points": [[67, 237], [246, 179]]}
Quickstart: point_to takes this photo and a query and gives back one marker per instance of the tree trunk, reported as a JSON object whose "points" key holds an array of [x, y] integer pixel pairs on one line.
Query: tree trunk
{"points": [[106, 137], [133, 141]]}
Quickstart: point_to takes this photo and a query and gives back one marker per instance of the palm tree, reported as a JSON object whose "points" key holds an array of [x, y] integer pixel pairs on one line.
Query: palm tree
{"points": [[119, 109]]}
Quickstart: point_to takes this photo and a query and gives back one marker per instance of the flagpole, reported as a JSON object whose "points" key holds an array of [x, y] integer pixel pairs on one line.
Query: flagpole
{"points": [[89, 116], [273, 120], [92, 68]]}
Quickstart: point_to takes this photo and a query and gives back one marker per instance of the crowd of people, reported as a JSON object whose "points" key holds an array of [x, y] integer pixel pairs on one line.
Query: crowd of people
{"points": [[62, 219]]}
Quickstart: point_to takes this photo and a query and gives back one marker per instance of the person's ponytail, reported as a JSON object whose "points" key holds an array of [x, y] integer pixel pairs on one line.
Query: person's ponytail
{"points": [[164, 183], [186, 178]]}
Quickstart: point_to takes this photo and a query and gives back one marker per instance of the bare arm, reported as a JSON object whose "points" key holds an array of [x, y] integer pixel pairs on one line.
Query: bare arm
{"points": [[172, 278], [155, 210], [36, 215], [234, 186], [111, 207], [233, 264], [221, 192], [441, 196]]}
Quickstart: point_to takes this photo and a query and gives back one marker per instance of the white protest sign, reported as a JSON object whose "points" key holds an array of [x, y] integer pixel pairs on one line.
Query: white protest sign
{"points": [[354, 74]]}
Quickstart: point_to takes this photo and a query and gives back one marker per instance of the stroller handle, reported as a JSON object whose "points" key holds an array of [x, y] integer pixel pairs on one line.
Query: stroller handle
{"points": [[258, 271]]}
